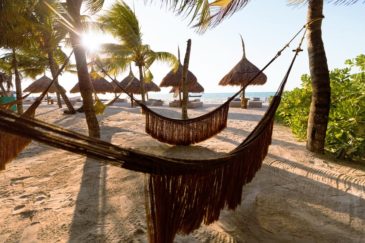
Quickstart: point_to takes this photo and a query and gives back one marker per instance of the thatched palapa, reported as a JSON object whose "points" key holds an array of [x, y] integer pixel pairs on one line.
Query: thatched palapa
{"points": [[192, 88], [100, 84], [243, 72], [132, 85], [173, 78], [39, 85]]}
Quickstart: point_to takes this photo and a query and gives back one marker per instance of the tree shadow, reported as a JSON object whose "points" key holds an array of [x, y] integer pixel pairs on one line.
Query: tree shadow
{"points": [[88, 222], [291, 202]]}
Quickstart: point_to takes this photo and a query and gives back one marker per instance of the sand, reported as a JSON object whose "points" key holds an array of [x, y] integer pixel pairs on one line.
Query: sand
{"points": [[50, 195]]}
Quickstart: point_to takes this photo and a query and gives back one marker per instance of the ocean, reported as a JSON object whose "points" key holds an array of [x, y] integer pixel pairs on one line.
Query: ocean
{"points": [[214, 98], [207, 98]]}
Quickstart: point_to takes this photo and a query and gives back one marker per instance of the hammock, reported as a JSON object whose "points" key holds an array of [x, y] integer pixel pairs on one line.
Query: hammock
{"points": [[182, 193], [194, 130], [10, 144]]}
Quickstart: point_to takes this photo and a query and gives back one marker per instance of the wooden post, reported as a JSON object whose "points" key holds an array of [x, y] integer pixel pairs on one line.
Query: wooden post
{"points": [[184, 107]]}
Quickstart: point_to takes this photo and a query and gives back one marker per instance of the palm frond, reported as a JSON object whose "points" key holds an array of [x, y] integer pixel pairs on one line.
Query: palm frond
{"points": [[94, 5], [122, 23], [162, 57], [147, 76]]}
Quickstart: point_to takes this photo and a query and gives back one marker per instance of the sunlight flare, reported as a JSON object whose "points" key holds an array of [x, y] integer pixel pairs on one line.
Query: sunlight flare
{"points": [[92, 41]]}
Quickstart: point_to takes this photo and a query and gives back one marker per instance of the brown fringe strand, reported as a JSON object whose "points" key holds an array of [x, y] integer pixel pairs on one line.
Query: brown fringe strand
{"points": [[185, 132]]}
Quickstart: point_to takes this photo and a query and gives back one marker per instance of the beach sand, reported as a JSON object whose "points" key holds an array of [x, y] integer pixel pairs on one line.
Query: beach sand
{"points": [[50, 195]]}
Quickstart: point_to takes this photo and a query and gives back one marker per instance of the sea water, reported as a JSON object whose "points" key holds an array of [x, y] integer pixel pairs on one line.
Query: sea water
{"points": [[207, 98], [213, 98]]}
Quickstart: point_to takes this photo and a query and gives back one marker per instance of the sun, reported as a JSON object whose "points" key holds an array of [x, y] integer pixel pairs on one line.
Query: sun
{"points": [[92, 41]]}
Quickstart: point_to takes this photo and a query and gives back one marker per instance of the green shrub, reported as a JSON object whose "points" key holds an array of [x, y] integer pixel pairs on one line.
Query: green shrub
{"points": [[346, 127]]}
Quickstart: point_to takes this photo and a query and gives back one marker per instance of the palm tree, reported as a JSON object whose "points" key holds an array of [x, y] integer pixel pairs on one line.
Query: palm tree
{"points": [[121, 21], [15, 31], [5, 79], [210, 14], [73, 8], [50, 34]]}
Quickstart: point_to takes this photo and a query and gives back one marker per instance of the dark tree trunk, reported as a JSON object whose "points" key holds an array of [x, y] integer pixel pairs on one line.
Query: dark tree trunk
{"points": [[54, 69], [141, 78], [321, 95], [86, 89], [184, 106], [18, 85], [59, 102]]}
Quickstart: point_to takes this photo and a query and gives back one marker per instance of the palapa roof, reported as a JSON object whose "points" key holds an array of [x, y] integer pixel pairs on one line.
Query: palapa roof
{"points": [[192, 88], [132, 85], [100, 84], [243, 72], [151, 87], [173, 78], [39, 85]]}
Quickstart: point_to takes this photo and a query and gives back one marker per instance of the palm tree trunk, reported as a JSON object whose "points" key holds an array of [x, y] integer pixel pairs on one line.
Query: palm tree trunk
{"points": [[321, 94], [18, 85], [184, 106], [82, 70], [54, 69], [59, 103], [141, 78]]}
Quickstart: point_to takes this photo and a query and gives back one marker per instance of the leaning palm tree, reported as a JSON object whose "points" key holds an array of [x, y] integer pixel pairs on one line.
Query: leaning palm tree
{"points": [[73, 9], [123, 24], [15, 30], [208, 14], [49, 35]]}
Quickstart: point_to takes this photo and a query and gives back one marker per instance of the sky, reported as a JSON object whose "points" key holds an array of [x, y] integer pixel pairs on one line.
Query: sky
{"points": [[265, 27]]}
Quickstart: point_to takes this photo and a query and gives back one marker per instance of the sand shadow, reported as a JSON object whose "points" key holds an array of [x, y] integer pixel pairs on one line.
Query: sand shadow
{"points": [[282, 205], [88, 222]]}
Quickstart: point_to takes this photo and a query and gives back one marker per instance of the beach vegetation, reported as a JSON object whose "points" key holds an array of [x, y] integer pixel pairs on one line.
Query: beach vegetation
{"points": [[15, 30], [345, 135], [123, 24], [49, 36]]}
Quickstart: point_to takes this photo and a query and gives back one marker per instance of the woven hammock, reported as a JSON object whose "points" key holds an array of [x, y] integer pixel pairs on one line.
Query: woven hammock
{"points": [[182, 193]]}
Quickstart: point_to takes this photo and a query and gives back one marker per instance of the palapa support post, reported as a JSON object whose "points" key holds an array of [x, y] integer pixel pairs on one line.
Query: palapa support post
{"points": [[184, 106], [244, 100]]}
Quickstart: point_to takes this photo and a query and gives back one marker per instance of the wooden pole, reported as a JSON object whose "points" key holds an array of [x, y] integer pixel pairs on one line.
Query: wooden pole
{"points": [[184, 107]]}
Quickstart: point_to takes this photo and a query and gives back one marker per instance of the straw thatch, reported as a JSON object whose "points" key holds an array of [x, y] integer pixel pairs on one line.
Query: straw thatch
{"points": [[192, 88], [132, 85], [243, 72], [173, 78], [151, 87], [39, 85], [100, 84]]}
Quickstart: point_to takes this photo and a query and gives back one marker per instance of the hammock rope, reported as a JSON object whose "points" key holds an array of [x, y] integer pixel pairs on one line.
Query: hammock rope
{"points": [[10, 144], [181, 193], [197, 129]]}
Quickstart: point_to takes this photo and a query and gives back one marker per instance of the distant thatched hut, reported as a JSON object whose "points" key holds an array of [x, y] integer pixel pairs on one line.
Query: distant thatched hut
{"points": [[100, 85], [39, 85], [242, 74]]}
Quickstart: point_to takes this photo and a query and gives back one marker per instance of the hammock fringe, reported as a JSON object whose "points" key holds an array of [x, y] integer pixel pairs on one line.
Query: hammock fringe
{"points": [[185, 132], [179, 204], [11, 145]]}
